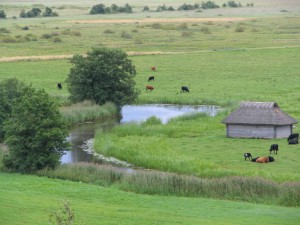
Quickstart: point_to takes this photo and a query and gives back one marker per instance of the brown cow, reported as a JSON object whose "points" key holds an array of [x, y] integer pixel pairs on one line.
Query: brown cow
{"points": [[149, 87], [153, 68], [262, 160]]}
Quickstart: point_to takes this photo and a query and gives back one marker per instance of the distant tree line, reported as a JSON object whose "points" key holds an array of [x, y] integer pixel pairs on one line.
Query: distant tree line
{"points": [[35, 12], [102, 9], [202, 5]]}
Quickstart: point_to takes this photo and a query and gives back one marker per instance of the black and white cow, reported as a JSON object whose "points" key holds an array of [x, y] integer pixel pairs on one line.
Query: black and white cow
{"points": [[248, 156]]}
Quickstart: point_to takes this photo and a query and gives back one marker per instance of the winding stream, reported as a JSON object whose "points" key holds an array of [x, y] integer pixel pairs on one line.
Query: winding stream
{"points": [[81, 136]]}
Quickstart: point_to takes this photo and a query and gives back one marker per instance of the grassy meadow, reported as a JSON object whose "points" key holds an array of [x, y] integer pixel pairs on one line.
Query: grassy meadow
{"points": [[34, 198], [224, 56]]}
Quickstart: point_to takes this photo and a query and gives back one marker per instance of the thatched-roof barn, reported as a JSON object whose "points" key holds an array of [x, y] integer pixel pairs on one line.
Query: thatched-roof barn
{"points": [[259, 120]]}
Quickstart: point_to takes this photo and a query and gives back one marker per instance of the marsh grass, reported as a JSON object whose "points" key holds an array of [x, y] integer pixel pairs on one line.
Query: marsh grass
{"points": [[87, 111], [237, 188], [194, 145]]}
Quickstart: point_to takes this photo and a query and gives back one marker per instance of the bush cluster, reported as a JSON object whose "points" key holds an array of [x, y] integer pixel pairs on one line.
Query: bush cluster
{"points": [[18, 38], [2, 14], [35, 12], [163, 7], [102, 9]]}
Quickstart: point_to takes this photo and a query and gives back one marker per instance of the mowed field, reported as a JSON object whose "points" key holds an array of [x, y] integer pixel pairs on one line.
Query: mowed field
{"points": [[223, 55]]}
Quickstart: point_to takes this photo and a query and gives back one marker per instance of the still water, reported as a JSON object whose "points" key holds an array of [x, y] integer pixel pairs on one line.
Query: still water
{"points": [[81, 134]]}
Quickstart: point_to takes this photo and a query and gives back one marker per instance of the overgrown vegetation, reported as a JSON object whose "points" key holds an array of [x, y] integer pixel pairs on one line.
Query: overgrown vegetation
{"points": [[255, 190], [88, 111]]}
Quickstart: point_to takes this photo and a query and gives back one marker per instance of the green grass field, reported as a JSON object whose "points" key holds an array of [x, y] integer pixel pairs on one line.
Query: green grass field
{"points": [[30, 200], [223, 62]]}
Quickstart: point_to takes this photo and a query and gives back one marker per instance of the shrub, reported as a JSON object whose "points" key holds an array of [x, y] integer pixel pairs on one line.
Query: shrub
{"points": [[233, 4], [2, 14], [47, 36], [156, 26], [183, 26], [186, 33], [138, 41], [239, 29], [76, 33], [125, 35], [49, 13], [25, 28], [205, 30], [4, 30], [134, 31], [57, 39], [108, 31], [146, 9], [9, 39]]}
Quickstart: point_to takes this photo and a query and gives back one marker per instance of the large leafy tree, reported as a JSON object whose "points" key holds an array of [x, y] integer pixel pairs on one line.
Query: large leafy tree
{"points": [[35, 132], [104, 75], [10, 89]]}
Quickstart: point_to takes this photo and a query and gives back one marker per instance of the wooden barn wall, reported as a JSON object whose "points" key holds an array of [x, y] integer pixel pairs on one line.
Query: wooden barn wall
{"points": [[283, 131], [250, 131]]}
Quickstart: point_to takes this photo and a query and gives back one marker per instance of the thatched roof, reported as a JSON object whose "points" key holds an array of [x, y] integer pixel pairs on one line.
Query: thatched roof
{"points": [[259, 113]]}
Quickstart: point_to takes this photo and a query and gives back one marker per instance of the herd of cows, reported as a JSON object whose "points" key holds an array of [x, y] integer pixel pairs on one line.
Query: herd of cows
{"points": [[151, 78], [292, 139]]}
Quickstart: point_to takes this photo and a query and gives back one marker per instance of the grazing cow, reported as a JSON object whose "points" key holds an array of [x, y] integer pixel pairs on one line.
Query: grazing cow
{"points": [[248, 156], [149, 87], [151, 78], [153, 68], [274, 147], [262, 159], [293, 139], [185, 89], [293, 142], [59, 86]]}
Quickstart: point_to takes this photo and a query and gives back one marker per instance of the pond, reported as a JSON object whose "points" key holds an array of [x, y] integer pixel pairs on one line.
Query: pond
{"points": [[81, 135]]}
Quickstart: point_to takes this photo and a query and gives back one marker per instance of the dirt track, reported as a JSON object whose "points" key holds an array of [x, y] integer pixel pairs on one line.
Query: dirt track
{"points": [[54, 57], [159, 20], [50, 57]]}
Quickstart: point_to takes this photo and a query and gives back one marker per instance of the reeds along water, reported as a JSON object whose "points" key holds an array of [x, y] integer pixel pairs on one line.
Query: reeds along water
{"points": [[87, 111], [249, 189]]}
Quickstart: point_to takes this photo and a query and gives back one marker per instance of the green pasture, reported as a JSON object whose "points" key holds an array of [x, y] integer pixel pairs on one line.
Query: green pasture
{"points": [[222, 63], [219, 77], [65, 35], [30, 200]]}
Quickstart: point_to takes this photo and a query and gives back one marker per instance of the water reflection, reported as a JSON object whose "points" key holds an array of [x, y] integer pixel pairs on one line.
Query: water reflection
{"points": [[140, 113], [78, 136], [130, 113]]}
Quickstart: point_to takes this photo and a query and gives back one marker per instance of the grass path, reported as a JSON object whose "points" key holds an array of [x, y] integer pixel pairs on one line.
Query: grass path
{"points": [[55, 57], [30, 199]]}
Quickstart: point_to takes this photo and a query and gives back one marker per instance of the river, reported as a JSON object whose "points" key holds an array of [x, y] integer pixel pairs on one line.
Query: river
{"points": [[81, 135]]}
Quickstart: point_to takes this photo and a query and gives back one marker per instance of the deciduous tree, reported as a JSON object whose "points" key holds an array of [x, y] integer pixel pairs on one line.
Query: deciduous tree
{"points": [[35, 132], [104, 75]]}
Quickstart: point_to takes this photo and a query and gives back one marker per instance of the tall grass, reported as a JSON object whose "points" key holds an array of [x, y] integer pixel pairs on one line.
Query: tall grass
{"points": [[237, 188], [195, 145], [88, 111]]}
